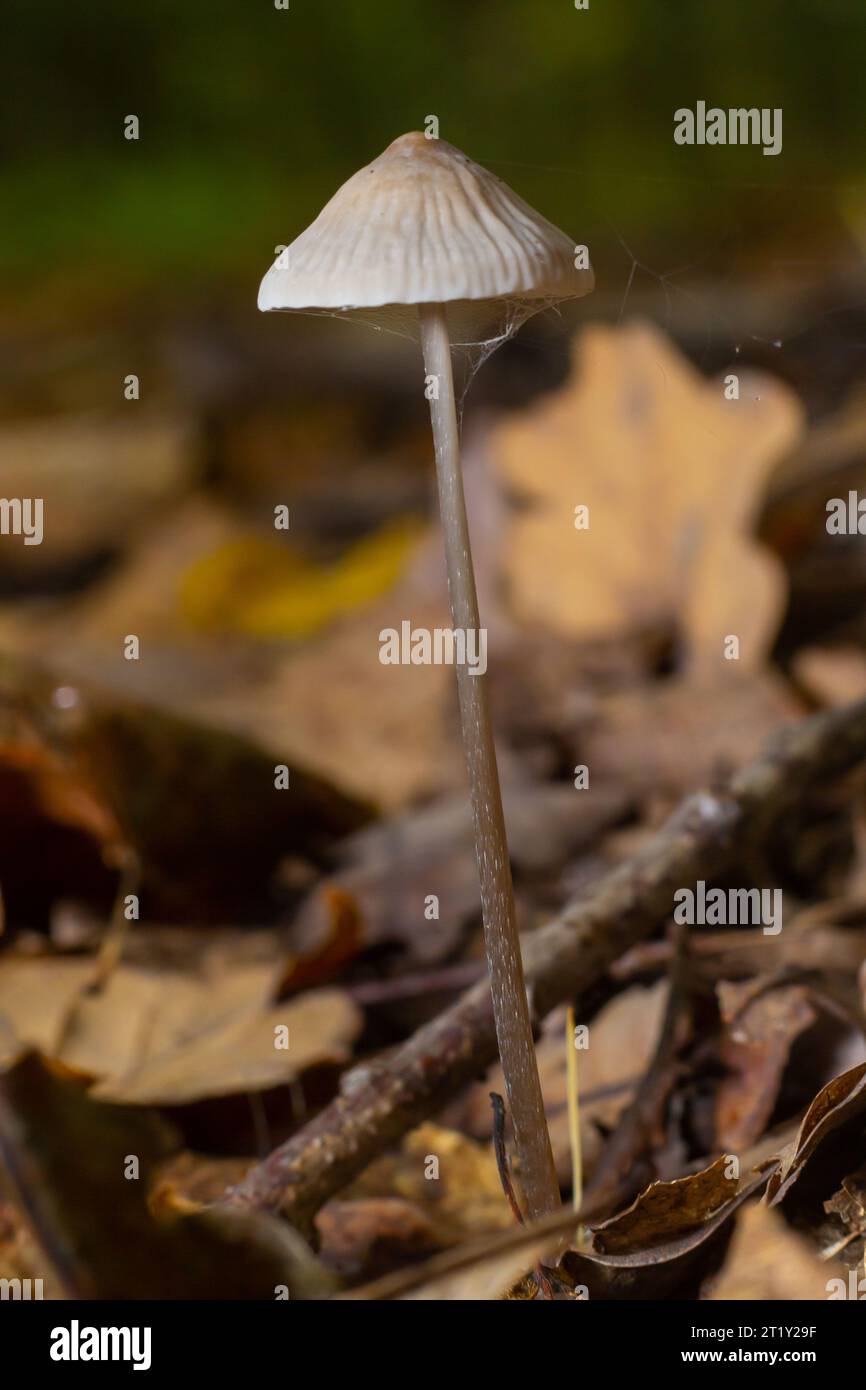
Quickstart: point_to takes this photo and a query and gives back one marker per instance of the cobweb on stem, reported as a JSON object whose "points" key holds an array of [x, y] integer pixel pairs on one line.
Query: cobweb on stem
{"points": [[477, 329]]}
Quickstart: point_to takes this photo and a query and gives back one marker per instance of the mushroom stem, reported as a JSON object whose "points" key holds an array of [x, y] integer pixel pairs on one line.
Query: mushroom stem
{"points": [[510, 1005]]}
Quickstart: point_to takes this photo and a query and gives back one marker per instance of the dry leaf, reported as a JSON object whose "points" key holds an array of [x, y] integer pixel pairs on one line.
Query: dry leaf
{"points": [[842, 1099], [189, 1181], [241, 1054], [758, 1038], [673, 475], [165, 1037], [663, 1243], [666, 1210], [439, 1189], [679, 1228]]}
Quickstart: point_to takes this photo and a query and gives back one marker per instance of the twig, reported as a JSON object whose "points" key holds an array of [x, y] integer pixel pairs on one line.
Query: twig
{"points": [[378, 1103], [449, 979]]}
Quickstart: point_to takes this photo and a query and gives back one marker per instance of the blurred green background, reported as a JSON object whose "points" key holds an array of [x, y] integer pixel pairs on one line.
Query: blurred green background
{"points": [[251, 116]]}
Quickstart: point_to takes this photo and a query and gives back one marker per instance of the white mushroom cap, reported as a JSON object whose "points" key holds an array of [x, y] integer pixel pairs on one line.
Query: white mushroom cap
{"points": [[423, 224]]}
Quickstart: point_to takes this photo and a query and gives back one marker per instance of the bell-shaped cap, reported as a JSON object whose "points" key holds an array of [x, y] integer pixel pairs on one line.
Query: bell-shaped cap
{"points": [[423, 224]]}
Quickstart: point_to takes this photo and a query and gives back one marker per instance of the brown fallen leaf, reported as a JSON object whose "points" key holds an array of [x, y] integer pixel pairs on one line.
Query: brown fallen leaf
{"points": [[680, 1234], [164, 1037], [673, 475], [35, 780], [667, 1209], [439, 1190], [761, 1026], [44, 1003], [490, 1267], [379, 733], [386, 899], [841, 1100], [768, 1262], [242, 1054], [141, 594]]}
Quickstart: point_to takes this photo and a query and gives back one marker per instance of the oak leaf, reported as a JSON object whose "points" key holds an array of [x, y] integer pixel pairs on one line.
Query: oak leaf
{"points": [[672, 474]]}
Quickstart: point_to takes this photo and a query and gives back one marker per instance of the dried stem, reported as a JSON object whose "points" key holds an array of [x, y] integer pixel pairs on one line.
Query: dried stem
{"points": [[501, 939]]}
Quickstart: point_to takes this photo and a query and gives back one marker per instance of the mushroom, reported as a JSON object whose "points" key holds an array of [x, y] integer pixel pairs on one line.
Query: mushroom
{"points": [[425, 239]]}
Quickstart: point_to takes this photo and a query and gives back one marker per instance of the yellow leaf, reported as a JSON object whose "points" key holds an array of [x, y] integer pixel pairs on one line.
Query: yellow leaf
{"points": [[261, 588]]}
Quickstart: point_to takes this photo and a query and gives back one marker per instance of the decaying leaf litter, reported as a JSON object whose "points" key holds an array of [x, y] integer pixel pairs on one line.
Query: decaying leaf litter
{"points": [[310, 913]]}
